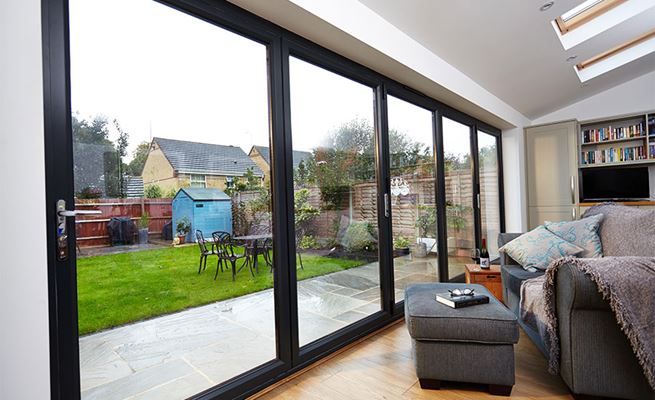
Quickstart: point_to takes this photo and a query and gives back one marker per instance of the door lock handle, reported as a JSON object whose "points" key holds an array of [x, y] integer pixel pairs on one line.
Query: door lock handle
{"points": [[62, 234], [73, 213]]}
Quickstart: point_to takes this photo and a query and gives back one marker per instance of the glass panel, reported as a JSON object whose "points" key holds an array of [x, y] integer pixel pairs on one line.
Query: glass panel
{"points": [[161, 100], [460, 221], [489, 191], [413, 200], [335, 200]]}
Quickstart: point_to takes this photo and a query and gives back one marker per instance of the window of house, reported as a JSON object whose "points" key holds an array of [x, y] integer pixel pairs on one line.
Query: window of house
{"points": [[198, 181], [229, 181]]}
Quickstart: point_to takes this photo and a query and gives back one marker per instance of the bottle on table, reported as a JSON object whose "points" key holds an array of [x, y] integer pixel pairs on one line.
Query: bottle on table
{"points": [[485, 263]]}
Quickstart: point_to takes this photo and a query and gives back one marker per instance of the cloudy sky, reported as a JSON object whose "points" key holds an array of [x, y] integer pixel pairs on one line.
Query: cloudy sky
{"points": [[162, 73]]}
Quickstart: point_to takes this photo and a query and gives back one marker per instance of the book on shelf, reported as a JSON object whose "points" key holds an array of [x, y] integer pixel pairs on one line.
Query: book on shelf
{"points": [[652, 150], [614, 154], [461, 301], [599, 135]]}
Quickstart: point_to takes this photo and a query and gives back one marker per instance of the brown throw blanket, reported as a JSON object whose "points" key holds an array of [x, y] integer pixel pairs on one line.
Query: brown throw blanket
{"points": [[628, 283]]}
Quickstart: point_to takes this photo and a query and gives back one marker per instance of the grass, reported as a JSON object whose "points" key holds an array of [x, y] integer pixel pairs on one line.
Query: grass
{"points": [[116, 289]]}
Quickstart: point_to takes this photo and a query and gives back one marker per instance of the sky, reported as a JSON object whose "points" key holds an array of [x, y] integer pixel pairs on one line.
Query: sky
{"points": [[160, 72]]}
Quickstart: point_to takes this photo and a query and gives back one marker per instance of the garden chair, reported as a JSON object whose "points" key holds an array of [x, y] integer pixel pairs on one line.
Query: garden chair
{"points": [[205, 253], [225, 246], [267, 248]]}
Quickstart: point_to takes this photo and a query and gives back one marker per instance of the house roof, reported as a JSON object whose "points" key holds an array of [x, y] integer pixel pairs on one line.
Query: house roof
{"points": [[204, 194], [297, 155], [206, 158]]}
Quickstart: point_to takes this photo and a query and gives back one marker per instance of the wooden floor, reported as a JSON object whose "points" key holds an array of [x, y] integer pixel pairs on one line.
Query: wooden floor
{"points": [[381, 367]]}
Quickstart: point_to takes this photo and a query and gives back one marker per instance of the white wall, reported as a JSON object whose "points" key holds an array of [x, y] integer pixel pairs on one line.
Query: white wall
{"points": [[516, 216], [635, 96], [24, 357]]}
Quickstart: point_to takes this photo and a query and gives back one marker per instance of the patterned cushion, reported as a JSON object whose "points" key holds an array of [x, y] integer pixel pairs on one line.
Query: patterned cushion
{"points": [[536, 249], [583, 233]]}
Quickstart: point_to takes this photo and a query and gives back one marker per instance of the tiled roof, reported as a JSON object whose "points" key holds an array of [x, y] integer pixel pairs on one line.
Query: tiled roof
{"points": [[297, 155], [205, 158]]}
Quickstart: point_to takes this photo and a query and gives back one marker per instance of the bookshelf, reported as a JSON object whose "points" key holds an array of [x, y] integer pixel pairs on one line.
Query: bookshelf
{"points": [[627, 140]]}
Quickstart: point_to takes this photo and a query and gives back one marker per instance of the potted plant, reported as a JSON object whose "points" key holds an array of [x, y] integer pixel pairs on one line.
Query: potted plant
{"points": [[426, 220], [183, 228], [400, 246], [456, 221], [143, 228]]}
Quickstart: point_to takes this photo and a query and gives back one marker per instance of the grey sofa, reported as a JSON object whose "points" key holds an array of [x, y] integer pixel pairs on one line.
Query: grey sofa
{"points": [[596, 357]]}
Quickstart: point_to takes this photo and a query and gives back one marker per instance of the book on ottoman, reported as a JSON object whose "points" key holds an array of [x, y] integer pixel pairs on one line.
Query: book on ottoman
{"points": [[461, 301]]}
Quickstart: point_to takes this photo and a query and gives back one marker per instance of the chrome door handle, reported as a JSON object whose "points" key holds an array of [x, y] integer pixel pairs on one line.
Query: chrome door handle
{"points": [[73, 213], [62, 235], [573, 214], [572, 189]]}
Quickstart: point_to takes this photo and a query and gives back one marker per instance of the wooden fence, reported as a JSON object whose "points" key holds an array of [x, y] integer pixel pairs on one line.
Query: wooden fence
{"points": [[92, 229]]}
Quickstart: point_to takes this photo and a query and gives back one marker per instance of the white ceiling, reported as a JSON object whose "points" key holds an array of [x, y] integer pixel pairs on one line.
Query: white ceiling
{"points": [[510, 48]]}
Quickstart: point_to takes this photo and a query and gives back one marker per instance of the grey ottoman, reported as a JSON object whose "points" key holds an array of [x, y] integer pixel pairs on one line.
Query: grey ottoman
{"points": [[472, 344]]}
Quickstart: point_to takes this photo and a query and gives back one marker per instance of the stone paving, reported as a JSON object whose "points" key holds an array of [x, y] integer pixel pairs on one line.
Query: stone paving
{"points": [[181, 354]]}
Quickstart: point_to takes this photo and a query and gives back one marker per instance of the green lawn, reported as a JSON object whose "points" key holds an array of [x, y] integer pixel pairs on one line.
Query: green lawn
{"points": [[117, 289]]}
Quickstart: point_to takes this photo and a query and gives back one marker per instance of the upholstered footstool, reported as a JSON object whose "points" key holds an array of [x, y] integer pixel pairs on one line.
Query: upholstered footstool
{"points": [[472, 344]]}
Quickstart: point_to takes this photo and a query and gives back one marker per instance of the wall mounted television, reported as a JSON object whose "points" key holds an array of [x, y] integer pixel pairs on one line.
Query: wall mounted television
{"points": [[614, 183]]}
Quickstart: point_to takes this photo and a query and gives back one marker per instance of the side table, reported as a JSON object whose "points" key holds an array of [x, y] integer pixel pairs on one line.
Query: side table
{"points": [[489, 278]]}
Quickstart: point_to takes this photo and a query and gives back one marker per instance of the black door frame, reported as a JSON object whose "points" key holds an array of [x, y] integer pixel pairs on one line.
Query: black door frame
{"points": [[64, 352]]}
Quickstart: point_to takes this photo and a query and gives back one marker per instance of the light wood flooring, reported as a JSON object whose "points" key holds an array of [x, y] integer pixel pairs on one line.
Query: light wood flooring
{"points": [[380, 367]]}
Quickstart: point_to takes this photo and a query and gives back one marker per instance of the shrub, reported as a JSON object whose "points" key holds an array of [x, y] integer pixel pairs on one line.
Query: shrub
{"points": [[308, 242], [426, 220], [144, 220], [170, 194], [400, 242], [90, 192], [153, 192], [359, 237]]}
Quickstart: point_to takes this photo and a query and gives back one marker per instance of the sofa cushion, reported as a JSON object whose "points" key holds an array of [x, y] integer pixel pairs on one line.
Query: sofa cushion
{"points": [[625, 231], [430, 320], [536, 249], [583, 233], [514, 275]]}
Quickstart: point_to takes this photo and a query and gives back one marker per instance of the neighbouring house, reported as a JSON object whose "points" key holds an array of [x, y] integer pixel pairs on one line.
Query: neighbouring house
{"points": [[261, 155], [175, 164]]}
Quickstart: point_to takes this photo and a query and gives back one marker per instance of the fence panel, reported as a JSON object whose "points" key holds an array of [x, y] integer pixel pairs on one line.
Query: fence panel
{"points": [[92, 229]]}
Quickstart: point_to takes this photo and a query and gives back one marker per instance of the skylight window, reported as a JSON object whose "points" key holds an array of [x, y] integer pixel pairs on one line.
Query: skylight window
{"points": [[583, 13], [617, 56]]}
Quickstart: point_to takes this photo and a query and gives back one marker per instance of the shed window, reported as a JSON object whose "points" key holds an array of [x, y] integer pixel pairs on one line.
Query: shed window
{"points": [[198, 181], [229, 182]]}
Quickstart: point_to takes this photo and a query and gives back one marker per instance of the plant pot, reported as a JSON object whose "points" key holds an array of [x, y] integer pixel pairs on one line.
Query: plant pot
{"points": [[420, 250], [181, 239], [402, 251], [143, 236]]}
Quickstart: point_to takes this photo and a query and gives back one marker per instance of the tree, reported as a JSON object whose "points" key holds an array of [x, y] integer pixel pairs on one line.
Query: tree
{"points": [[90, 132], [348, 157], [249, 182], [139, 156]]}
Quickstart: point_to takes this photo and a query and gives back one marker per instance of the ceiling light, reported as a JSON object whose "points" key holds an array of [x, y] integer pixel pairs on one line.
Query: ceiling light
{"points": [[571, 58], [546, 6]]}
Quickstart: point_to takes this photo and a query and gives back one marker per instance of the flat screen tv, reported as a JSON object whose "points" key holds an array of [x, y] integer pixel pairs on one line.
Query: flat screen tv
{"points": [[626, 183]]}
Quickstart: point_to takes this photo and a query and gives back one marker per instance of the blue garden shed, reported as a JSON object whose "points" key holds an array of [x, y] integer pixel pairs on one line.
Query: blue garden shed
{"points": [[208, 210]]}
